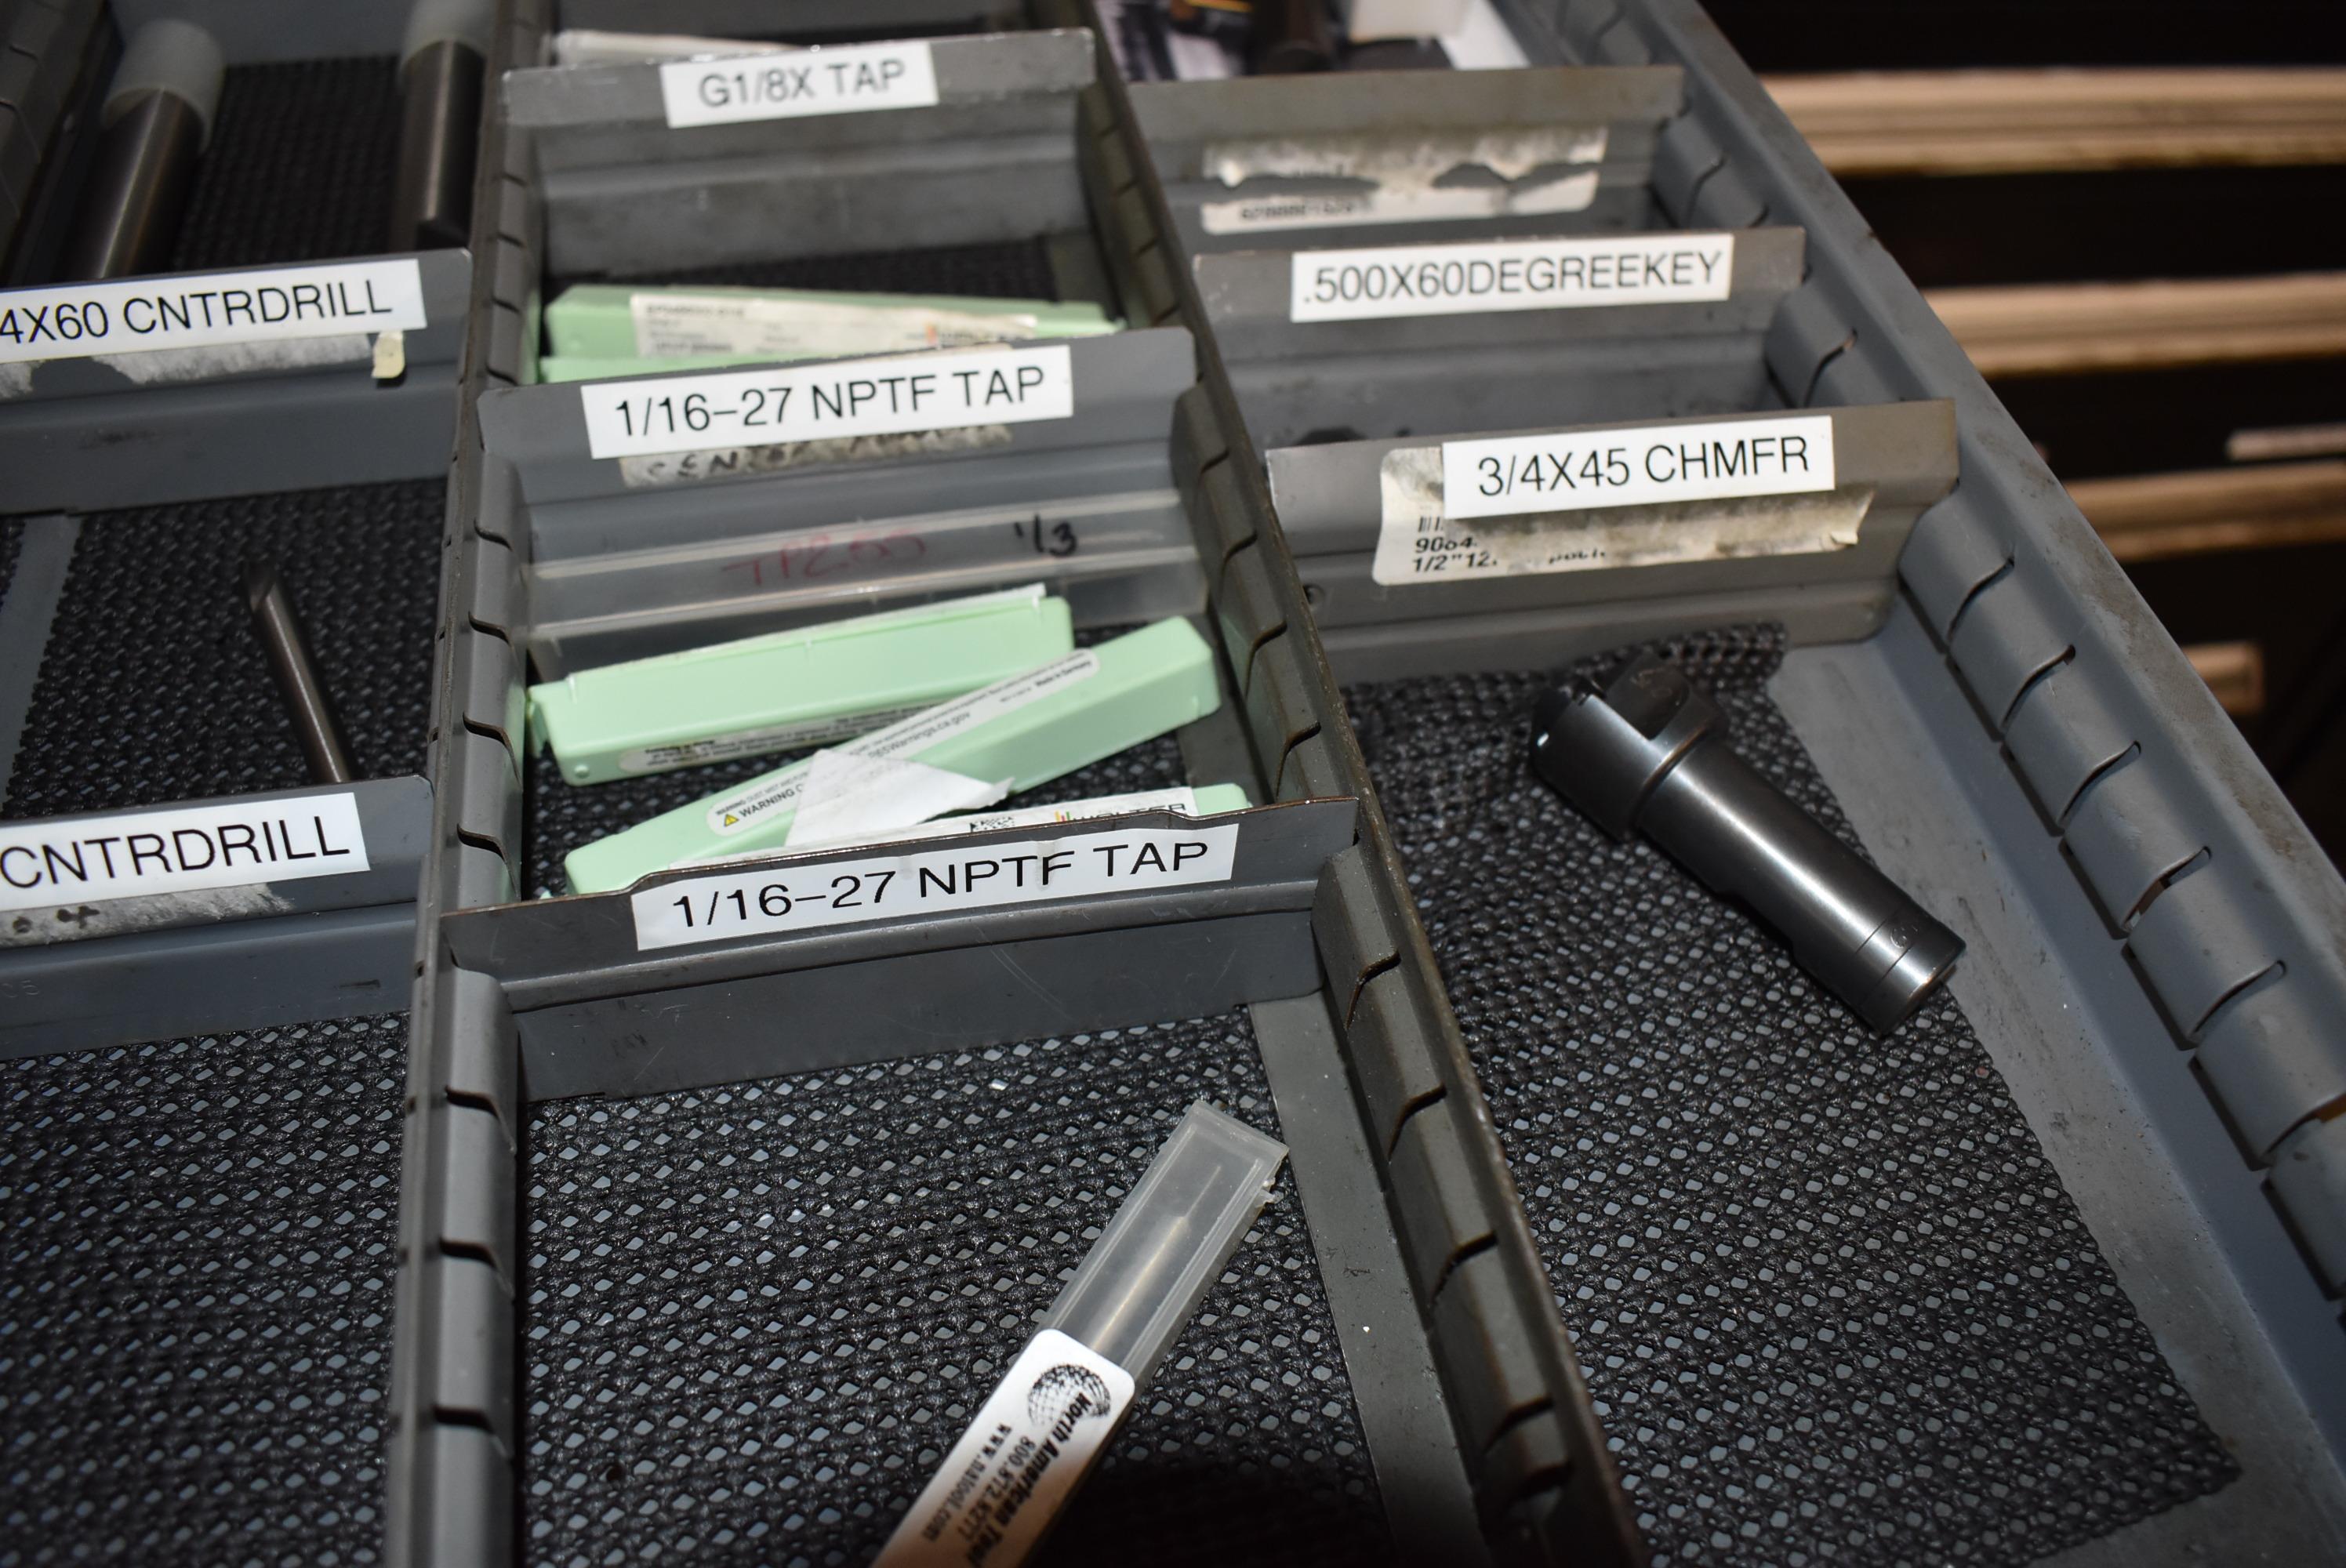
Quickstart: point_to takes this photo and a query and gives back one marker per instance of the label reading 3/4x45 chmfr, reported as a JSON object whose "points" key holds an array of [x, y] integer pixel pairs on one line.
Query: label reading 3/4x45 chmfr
{"points": [[947, 389], [799, 82]]}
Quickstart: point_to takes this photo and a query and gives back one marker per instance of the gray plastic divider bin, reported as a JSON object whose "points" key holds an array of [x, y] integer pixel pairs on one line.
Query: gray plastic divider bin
{"points": [[295, 415], [1326, 160], [638, 556], [624, 193], [1892, 460], [522, 1000], [2154, 968], [1436, 373]]}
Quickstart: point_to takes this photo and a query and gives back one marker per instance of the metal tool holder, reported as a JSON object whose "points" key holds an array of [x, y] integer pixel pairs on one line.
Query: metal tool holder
{"points": [[54, 62], [524, 1003]]}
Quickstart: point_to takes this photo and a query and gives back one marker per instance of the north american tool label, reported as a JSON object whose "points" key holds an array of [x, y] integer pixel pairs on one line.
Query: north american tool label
{"points": [[946, 390], [789, 898], [1509, 275], [83, 321], [799, 82], [92, 860]]}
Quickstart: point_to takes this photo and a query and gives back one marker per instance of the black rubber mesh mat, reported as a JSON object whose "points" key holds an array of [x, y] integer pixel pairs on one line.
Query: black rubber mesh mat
{"points": [[153, 685], [300, 167], [12, 539], [756, 1316], [559, 817], [195, 1308], [1833, 1301], [1002, 270]]}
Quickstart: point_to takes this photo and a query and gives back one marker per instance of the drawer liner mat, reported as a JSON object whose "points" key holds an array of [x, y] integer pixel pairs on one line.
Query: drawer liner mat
{"points": [[1832, 1300], [303, 159], [755, 1315], [153, 685], [196, 1298]]}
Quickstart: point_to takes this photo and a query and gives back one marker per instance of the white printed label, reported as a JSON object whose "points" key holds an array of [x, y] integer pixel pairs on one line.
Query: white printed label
{"points": [[1570, 471], [82, 320], [43, 865], [1602, 499], [782, 899], [739, 814], [757, 742], [1509, 275], [676, 326], [944, 391], [1446, 204], [841, 81], [1030, 1445]]}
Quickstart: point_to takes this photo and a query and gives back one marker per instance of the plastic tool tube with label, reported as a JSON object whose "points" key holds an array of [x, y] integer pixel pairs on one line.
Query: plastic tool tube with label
{"points": [[440, 69], [157, 118], [788, 690], [1650, 752], [1000, 1488], [1025, 731]]}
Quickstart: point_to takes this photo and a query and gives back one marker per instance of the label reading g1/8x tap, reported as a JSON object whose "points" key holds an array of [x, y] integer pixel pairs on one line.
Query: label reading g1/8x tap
{"points": [[798, 83]]}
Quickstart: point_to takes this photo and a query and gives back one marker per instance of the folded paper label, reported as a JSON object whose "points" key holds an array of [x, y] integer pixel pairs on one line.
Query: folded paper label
{"points": [[737, 813]]}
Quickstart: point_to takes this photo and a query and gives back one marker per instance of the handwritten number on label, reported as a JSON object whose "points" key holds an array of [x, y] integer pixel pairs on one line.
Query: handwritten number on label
{"points": [[1057, 540]]}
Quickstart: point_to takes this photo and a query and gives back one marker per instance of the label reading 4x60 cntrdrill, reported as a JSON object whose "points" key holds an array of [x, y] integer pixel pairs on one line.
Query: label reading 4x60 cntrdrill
{"points": [[209, 309], [1012, 1470]]}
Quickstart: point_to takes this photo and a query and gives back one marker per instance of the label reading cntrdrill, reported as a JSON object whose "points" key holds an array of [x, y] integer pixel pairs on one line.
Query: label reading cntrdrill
{"points": [[189, 848], [85, 321], [1012, 1472], [800, 83]]}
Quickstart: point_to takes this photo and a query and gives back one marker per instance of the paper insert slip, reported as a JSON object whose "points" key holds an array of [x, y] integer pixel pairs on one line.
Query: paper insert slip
{"points": [[786, 690], [949, 389], [839, 81], [1557, 274], [1025, 731], [209, 309]]}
